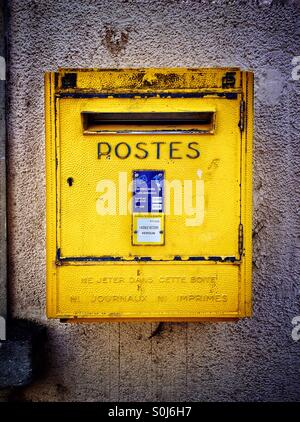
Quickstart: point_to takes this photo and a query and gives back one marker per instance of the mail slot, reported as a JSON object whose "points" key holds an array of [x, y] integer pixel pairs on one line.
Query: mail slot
{"points": [[146, 123], [149, 194]]}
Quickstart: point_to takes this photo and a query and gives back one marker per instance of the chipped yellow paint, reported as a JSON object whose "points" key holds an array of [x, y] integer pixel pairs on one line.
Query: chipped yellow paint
{"points": [[201, 267]]}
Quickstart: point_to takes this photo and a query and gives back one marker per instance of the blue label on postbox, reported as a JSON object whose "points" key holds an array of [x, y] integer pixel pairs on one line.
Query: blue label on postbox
{"points": [[148, 191]]}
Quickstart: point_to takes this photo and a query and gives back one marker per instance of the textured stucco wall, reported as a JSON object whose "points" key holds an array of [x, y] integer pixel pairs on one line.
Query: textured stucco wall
{"points": [[254, 359]]}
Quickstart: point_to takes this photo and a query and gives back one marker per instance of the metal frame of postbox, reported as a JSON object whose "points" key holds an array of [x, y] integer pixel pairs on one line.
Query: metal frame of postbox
{"points": [[227, 83]]}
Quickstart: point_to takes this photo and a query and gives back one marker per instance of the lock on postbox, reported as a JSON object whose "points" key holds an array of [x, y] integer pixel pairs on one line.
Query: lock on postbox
{"points": [[149, 194]]}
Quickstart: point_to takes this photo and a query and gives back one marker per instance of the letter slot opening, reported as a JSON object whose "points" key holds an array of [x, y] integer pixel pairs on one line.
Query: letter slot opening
{"points": [[144, 123]]}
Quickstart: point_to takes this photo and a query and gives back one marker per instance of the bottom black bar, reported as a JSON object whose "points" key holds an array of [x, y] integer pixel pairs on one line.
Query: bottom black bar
{"points": [[146, 411]]}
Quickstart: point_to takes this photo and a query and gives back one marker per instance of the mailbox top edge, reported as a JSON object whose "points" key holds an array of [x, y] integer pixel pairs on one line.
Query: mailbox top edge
{"points": [[148, 79]]}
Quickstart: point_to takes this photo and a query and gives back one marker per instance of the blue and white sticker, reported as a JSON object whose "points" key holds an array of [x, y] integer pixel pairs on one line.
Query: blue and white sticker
{"points": [[148, 191]]}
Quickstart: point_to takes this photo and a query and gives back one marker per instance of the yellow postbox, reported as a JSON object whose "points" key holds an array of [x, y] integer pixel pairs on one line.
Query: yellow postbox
{"points": [[149, 193]]}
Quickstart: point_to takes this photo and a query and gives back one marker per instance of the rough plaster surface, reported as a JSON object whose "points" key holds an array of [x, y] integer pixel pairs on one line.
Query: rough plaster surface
{"points": [[254, 359]]}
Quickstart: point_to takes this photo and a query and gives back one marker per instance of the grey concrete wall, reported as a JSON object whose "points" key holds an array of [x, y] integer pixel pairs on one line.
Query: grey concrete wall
{"points": [[254, 359], [3, 260]]}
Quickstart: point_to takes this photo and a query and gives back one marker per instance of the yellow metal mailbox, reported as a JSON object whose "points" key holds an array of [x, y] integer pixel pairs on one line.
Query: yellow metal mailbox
{"points": [[149, 193]]}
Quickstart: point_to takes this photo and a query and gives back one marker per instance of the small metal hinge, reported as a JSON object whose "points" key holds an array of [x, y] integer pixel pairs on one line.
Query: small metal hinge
{"points": [[242, 115], [241, 239], [56, 79], [228, 81], [69, 80]]}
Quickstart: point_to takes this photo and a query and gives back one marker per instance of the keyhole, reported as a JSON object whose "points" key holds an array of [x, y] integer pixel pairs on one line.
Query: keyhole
{"points": [[70, 181]]}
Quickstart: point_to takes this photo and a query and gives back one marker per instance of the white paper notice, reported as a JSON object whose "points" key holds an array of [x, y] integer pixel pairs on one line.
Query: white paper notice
{"points": [[148, 230]]}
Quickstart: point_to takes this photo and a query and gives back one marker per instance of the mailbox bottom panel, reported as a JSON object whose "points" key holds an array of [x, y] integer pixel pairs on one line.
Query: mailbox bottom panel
{"points": [[145, 291]]}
